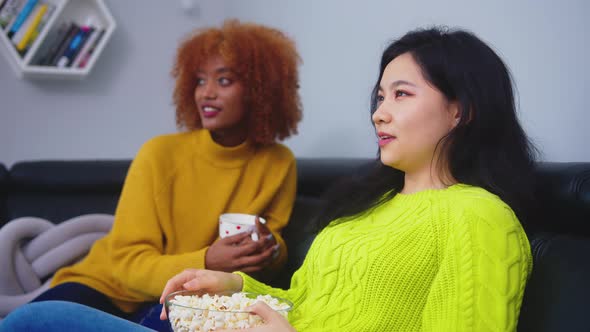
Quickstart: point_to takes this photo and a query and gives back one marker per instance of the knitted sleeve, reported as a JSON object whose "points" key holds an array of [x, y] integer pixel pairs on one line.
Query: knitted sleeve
{"points": [[137, 244], [485, 262], [295, 293]]}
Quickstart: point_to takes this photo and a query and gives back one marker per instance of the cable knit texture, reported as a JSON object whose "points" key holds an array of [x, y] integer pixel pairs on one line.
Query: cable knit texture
{"points": [[168, 212], [455, 259]]}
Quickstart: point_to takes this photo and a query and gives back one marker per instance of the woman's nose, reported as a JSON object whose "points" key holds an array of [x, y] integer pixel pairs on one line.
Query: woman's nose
{"points": [[381, 115], [209, 90]]}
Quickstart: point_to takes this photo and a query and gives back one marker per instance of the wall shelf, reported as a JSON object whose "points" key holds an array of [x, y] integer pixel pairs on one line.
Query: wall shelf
{"points": [[81, 12]]}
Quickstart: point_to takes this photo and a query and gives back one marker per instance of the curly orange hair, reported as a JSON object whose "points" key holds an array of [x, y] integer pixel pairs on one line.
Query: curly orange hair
{"points": [[265, 61]]}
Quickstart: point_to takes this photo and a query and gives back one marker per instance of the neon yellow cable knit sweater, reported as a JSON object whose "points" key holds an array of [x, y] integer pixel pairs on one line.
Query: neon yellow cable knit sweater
{"points": [[455, 259]]}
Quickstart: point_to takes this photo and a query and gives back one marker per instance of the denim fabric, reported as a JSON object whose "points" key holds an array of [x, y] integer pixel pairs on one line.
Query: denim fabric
{"points": [[60, 316], [149, 316]]}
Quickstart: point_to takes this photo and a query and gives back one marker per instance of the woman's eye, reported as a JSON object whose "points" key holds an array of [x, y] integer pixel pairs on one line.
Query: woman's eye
{"points": [[380, 99], [400, 93], [224, 81], [200, 82]]}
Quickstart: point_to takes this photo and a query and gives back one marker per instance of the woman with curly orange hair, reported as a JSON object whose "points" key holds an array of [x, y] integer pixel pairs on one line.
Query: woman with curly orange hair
{"points": [[236, 94]]}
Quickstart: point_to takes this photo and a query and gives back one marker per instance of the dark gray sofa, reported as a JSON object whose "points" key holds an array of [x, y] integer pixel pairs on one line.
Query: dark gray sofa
{"points": [[557, 295]]}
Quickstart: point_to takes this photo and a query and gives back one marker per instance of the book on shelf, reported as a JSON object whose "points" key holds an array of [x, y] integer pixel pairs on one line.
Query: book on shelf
{"points": [[67, 58], [64, 43], [14, 15], [20, 32], [96, 32], [9, 12], [35, 33], [87, 54], [21, 17], [22, 36], [52, 44]]}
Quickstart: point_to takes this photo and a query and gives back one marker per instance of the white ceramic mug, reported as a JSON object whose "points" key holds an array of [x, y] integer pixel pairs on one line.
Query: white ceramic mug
{"points": [[235, 223]]}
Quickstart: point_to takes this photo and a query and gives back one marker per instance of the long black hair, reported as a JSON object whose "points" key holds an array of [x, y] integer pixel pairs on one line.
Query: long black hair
{"points": [[488, 148]]}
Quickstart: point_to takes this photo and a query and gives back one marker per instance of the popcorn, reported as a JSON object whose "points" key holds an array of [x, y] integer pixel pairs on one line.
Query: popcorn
{"points": [[191, 313]]}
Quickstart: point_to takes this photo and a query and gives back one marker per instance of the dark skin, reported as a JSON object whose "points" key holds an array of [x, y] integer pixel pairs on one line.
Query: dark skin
{"points": [[219, 97], [240, 253]]}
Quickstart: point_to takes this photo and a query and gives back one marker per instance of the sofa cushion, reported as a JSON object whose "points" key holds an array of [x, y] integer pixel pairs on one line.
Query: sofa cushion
{"points": [[316, 175], [557, 293], [60, 190], [3, 191], [563, 196]]}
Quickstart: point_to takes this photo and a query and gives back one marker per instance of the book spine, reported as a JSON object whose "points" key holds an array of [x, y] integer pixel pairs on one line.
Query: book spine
{"points": [[39, 28], [54, 43], [9, 12], [21, 31], [74, 28], [24, 41], [86, 57], [74, 47], [87, 45], [22, 16]]}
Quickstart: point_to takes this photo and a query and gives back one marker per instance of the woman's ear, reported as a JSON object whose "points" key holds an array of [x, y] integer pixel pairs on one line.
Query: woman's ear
{"points": [[454, 114]]}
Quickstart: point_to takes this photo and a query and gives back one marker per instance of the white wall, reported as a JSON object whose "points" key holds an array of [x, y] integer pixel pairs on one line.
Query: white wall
{"points": [[127, 98]]}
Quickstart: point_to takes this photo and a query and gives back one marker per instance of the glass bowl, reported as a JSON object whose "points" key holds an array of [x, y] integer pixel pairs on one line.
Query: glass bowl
{"points": [[190, 311]]}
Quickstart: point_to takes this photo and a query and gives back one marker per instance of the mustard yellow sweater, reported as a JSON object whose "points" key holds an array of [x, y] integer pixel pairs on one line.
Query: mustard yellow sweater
{"points": [[167, 216], [439, 260]]}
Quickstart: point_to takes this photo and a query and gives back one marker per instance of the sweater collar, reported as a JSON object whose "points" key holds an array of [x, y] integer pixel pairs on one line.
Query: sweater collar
{"points": [[426, 194], [220, 155]]}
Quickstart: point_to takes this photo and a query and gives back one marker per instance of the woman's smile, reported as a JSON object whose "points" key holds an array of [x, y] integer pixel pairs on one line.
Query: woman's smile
{"points": [[385, 138]]}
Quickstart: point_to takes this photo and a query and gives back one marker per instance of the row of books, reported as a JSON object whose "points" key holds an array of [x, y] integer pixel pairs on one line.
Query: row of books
{"points": [[70, 45], [23, 21]]}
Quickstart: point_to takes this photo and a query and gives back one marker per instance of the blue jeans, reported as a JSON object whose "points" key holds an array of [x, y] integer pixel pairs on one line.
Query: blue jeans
{"points": [[149, 316], [60, 316]]}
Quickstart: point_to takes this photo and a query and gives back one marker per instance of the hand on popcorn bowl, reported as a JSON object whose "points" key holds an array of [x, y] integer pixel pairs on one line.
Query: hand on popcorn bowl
{"points": [[190, 311]]}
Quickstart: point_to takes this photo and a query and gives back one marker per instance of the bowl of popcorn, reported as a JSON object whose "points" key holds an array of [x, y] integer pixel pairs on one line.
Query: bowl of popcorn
{"points": [[190, 311]]}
